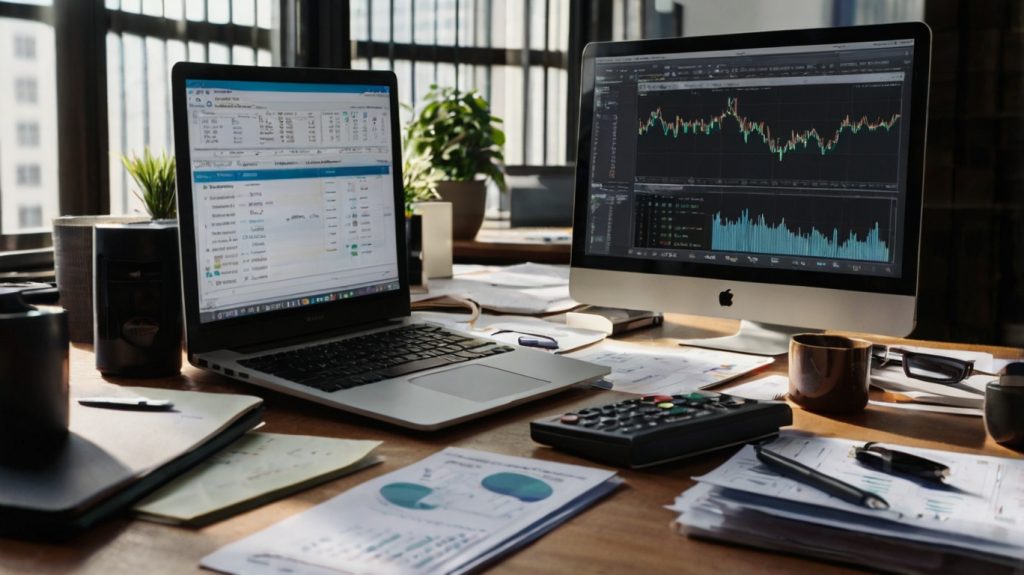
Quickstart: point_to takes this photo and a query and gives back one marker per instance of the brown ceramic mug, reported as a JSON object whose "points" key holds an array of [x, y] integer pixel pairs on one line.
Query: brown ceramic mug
{"points": [[829, 373]]}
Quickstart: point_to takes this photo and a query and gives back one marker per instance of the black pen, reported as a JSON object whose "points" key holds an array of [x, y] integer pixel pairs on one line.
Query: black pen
{"points": [[127, 403], [799, 472], [897, 462]]}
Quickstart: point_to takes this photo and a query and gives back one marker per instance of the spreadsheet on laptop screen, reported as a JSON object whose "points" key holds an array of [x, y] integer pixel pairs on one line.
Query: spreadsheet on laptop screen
{"points": [[293, 194]]}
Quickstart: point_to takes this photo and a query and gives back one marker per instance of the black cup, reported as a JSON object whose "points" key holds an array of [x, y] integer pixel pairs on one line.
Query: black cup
{"points": [[1004, 408], [33, 378]]}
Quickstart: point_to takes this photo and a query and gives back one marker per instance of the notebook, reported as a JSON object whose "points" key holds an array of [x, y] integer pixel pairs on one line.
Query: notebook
{"points": [[293, 251], [114, 457]]}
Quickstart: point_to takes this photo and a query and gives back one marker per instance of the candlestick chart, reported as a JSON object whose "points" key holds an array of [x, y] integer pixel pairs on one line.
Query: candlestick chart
{"points": [[838, 133]]}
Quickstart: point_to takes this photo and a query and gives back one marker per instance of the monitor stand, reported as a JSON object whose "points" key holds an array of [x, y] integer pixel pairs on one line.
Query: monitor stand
{"points": [[753, 337]]}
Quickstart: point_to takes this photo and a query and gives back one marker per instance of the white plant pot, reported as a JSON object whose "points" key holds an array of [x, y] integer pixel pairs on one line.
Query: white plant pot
{"points": [[437, 237]]}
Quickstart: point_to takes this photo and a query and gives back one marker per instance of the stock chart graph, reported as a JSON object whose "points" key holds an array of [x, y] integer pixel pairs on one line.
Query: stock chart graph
{"points": [[848, 228], [829, 132]]}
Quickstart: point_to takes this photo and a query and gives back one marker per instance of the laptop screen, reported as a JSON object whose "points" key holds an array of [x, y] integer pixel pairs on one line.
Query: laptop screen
{"points": [[293, 194]]}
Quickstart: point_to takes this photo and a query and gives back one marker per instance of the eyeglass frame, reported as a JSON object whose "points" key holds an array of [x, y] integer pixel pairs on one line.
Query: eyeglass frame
{"points": [[966, 366]]}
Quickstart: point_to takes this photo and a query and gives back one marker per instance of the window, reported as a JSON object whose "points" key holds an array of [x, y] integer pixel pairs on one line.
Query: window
{"points": [[143, 42], [29, 175], [514, 53], [28, 124], [30, 217], [25, 47], [28, 134], [26, 90]]}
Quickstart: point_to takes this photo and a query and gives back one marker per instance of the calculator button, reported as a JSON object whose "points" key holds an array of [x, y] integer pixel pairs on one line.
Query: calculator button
{"points": [[666, 405], [589, 411], [589, 422], [570, 419]]}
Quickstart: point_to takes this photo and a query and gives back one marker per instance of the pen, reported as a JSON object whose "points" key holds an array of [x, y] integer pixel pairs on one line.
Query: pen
{"points": [[799, 472], [897, 462], [127, 403]]}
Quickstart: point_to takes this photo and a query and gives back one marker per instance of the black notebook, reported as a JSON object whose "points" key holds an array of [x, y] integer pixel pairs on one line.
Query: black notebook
{"points": [[112, 458]]}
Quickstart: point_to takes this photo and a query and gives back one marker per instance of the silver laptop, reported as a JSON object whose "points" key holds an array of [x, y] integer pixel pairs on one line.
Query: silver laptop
{"points": [[292, 234]]}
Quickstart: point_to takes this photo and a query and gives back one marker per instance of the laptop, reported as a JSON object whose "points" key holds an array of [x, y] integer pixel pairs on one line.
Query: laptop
{"points": [[294, 269]]}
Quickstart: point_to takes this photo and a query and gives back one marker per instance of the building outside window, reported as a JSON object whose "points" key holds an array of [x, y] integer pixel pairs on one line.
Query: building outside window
{"points": [[29, 175], [26, 90], [28, 125], [30, 217], [28, 134], [25, 47]]}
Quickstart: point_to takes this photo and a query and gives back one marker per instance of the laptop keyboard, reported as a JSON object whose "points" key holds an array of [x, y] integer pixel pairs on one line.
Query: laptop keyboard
{"points": [[374, 357]]}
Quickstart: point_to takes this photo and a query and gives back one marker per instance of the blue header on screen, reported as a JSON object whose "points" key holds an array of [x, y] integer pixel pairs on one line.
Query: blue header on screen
{"points": [[287, 174], [286, 86]]}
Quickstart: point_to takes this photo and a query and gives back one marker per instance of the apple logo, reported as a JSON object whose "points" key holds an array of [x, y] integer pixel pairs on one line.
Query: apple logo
{"points": [[725, 298]]}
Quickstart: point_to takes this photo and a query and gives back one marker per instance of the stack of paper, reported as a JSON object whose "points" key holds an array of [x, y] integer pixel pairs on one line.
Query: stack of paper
{"points": [[975, 521], [452, 512]]}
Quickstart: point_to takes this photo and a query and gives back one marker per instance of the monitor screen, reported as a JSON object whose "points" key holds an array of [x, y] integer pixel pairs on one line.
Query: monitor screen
{"points": [[292, 192], [785, 158]]}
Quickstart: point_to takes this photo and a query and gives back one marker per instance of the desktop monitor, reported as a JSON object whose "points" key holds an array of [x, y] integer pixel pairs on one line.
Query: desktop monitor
{"points": [[771, 177]]}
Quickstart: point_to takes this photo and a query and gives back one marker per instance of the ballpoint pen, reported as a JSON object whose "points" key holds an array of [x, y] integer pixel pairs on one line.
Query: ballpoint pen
{"points": [[897, 462], [127, 403], [799, 472]]}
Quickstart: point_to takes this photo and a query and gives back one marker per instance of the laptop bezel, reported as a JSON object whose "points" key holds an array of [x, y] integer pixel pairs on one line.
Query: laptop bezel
{"points": [[269, 327]]}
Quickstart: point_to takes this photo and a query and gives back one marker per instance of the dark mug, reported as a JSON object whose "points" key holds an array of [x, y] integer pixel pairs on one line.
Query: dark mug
{"points": [[34, 406], [1004, 408], [829, 373]]}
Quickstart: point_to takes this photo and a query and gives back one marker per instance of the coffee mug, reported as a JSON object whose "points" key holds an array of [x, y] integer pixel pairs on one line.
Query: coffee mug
{"points": [[1004, 408], [34, 405], [829, 373]]}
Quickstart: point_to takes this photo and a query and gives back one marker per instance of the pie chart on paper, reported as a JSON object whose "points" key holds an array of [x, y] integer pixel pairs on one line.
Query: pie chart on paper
{"points": [[523, 487], [407, 495]]}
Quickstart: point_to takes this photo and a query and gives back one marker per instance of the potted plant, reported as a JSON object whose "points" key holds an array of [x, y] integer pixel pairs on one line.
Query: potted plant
{"points": [[155, 178], [464, 141], [137, 274]]}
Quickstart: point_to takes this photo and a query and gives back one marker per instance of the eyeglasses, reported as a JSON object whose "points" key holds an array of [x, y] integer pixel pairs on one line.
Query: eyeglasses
{"points": [[532, 339], [923, 366]]}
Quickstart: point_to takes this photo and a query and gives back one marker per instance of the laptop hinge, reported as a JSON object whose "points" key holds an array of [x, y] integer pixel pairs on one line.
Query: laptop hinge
{"points": [[318, 336]]}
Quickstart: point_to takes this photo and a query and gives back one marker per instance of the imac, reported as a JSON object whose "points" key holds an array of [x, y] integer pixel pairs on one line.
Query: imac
{"points": [[771, 177]]}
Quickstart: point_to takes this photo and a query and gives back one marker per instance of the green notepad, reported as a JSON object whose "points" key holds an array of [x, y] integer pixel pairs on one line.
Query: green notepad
{"points": [[256, 469]]}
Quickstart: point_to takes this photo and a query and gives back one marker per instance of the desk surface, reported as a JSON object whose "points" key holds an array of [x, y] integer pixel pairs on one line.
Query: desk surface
{"points": [[626, 533]]}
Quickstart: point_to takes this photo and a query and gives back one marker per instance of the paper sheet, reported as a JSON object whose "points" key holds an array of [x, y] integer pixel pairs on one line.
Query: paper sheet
{"points": [[528, 275], [434, 516], [643, 369], [252, 467], [968, 393], [952, 410], [767, 388]]}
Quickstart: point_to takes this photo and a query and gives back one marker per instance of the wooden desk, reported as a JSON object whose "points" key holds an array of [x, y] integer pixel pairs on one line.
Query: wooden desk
{"points": [[626, 533]]}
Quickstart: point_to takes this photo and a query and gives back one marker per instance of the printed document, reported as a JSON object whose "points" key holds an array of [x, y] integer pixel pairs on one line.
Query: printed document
{"points": [[443, 514], [643, 369]]}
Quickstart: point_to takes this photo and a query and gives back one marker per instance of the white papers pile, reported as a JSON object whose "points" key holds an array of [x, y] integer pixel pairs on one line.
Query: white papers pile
{"points": [[976, 521], [454, 511]]}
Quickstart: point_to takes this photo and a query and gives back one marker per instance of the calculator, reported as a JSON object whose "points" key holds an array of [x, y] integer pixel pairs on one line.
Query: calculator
{"points": [[654, 429]]}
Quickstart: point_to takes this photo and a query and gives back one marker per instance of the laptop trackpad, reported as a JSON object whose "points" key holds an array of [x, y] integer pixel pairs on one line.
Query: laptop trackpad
{"points": [[478, 382]]}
